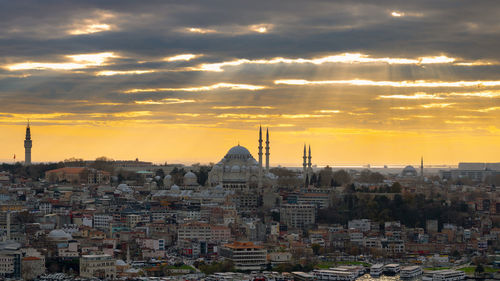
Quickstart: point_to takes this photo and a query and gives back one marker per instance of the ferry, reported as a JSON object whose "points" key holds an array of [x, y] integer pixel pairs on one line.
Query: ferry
{"points": [[357, 269], [448, 275], [376, 270], [336, 274], [391, 269], [428, 276], [409, 272]]}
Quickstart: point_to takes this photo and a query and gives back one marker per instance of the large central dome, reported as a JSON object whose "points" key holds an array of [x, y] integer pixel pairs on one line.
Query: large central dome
{"points": [[238, 152]]}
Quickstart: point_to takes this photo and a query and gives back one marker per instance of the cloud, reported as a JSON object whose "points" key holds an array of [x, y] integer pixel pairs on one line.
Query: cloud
{"points": [[164, 101], [78, 61], [349, 58], [243, 107], [124, 72], [410, 84], [416, 96], [182, 57], [230, 86]]}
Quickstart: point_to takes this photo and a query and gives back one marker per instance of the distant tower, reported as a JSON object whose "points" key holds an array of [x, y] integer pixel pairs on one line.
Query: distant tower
{"points": [[304, 164], [309, 164], [422, 166], [260, 156], [27, 146], [267, 150]]}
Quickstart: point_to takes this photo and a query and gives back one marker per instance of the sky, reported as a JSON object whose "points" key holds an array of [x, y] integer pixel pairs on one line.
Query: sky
{"points": [[379, 82]]}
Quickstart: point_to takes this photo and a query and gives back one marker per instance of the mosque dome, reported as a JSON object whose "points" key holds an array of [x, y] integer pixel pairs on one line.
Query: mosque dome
{"points": [[58, 234], [238, 152], [190, 175], [409, 171], [124, 188], [175, 188], [167, 177]]}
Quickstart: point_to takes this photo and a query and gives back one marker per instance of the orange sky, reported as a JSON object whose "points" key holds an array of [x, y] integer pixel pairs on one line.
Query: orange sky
{"points": [[191, 145]]}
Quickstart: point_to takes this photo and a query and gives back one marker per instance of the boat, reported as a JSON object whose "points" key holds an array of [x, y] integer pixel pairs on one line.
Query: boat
{"points": [[357, 269], [336, 274], [409, 272], [376, 270], [391, 269], [448, 275]]}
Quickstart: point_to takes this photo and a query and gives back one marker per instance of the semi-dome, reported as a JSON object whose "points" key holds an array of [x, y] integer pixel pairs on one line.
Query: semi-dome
{"points": [[235, 169]]}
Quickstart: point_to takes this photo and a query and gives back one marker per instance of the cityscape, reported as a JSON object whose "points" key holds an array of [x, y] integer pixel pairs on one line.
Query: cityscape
{"points": [[249, 140]]}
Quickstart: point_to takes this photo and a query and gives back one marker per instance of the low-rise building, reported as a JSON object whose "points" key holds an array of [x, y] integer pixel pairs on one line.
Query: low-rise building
{"points": [[245, 255], [101, 266]]}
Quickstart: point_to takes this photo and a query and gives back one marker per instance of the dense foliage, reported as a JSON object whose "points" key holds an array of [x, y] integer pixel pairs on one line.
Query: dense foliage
{"points": [[411, 210], [34, 171]]}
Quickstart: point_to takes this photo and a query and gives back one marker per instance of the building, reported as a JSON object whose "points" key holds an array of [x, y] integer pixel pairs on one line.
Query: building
{"points": [[28, 143], [32, 267], [102, 221], [238, 170], [475, 175], [363, 225], [78, 175], [245, 255], [10, 259], [101, 266], [194, 231], [298, 215]]}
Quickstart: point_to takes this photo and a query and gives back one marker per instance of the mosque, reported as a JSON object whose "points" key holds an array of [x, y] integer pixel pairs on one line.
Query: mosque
{"points": [[238, 170]]}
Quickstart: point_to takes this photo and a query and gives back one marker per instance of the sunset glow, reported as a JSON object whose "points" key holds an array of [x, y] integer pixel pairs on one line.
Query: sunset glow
{"points": [[368, 83]]}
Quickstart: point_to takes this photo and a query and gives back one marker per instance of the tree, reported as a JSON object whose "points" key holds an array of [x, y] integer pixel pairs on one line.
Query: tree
{"points": [[479, 269], [341, 177], [325, 176], [202, 174], [315, 247], [395, 188]]}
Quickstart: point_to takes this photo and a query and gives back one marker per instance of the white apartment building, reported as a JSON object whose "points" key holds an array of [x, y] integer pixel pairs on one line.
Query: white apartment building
{"points": [[363, 225], [102, 221]]}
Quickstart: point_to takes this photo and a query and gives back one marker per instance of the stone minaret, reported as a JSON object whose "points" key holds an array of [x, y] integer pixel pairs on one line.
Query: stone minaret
{"points": [[27, 146], [260, 156], [422, 166], [309, 164], [304, 164], [267, 150]]}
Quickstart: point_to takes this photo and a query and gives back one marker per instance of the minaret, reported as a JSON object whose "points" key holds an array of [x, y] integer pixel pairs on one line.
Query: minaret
{"points": [[309, 164], [260, 157], [422, 167], [267, 150], [304, 164], [27, 146]]}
